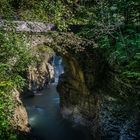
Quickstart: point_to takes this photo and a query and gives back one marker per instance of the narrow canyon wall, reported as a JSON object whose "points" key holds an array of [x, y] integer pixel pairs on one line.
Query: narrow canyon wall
{"points": [[93, 94], [78, 88], [41, 73]]}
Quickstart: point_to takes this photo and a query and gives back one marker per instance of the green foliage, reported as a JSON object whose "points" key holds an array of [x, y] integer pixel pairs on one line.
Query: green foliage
{"points": [[132, 70], [123, 47], [127, 44], [5, 8], [6, 107], [14, 59], [39, 10], [100, 15], [112, 24]]}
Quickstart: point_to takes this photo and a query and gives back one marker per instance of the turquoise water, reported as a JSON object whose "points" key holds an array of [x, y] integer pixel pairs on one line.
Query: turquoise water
{"points": [[46, 120]]}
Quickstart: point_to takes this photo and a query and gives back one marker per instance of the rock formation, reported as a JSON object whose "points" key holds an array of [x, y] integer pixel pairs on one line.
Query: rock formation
{"points": [[20, 117], [94, 95], [41, 73]]}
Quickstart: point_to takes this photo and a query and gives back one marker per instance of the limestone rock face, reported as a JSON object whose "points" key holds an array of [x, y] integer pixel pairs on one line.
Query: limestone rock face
{"points": [[40, 74], [20, 117]]}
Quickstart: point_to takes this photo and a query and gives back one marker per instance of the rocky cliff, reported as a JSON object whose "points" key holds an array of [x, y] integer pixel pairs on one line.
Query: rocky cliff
{"points": [[41, 73], [19, 120], [93, 94], [38, 75]]}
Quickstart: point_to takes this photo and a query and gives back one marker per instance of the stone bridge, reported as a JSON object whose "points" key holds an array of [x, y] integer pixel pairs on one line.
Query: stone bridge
{"points": [[38, 33], [26, 26]]}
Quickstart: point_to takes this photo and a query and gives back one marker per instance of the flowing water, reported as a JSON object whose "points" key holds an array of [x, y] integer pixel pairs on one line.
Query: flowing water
{"points": [[45, 118]]}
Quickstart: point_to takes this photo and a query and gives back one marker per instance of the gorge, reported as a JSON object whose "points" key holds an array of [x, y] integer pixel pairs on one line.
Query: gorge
{"points": [[88, 96], [69, 70], [44, 114]]}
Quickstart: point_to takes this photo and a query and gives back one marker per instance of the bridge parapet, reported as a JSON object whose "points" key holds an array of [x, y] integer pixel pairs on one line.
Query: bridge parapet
{"points": [[26, 26]]}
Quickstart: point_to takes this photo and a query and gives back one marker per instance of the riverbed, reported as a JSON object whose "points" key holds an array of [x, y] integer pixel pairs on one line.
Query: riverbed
{"points": [[46, 120]]}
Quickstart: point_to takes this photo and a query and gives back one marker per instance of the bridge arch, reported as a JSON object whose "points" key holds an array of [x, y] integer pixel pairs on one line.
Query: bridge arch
{"points": [[67, 46]]}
